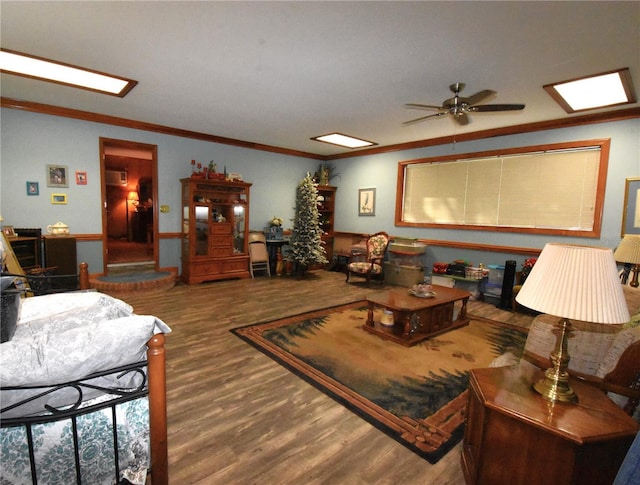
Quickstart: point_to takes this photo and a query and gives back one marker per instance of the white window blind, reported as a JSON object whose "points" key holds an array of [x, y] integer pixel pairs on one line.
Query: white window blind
{"points": [[548, 190]]}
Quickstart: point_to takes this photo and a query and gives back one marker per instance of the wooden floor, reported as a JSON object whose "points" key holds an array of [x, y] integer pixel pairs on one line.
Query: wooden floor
{"points": [[237, 417]]}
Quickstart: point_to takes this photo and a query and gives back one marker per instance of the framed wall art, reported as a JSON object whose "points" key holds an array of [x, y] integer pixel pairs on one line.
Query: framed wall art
{"points": [[631, 208], [33, 188], [57, 176], [58, 198], [367, 202], [81, 177]]}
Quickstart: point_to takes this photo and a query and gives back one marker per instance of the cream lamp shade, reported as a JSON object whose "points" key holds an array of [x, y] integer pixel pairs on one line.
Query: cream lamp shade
{"points": [[629, 252], [572, 282], [576, 282]]}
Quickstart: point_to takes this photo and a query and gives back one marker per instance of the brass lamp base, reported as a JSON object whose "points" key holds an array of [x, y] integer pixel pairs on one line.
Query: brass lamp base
{"points": [[635, 269], [553, 389], [555, 385]]}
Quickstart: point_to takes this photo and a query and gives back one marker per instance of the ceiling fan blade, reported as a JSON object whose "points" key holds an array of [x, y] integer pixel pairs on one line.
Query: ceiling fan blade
{"points": [[417, 120], [421, 106], [479, 97], [496, 107]]}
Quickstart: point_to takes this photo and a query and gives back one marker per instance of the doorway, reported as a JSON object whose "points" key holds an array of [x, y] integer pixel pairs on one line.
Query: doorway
{"points": [[129, 172]]}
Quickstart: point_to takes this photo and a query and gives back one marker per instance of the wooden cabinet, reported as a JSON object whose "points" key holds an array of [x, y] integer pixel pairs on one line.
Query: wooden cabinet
{"points": [[513, 435], [215, 229], [60, 252], [326, 210]]}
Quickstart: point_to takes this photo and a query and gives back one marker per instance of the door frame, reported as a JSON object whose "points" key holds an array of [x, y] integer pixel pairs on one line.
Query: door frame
{"points": [[132, 145]]}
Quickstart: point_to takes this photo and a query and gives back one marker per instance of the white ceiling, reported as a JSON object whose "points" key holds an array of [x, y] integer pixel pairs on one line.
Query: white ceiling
{"points": [[278, 73]]}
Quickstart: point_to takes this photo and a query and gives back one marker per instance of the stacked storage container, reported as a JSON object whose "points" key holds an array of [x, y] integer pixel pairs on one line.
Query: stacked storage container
{"points": [[493, 288], [405, 264]]}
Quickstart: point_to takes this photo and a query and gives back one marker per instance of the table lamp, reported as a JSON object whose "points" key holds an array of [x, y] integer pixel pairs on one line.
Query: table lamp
{"points": [[629, 252], [578, 283]]}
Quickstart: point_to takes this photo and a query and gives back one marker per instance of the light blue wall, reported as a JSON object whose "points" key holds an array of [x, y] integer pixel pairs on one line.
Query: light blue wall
{"points": [[31, 141], [380, 171]]}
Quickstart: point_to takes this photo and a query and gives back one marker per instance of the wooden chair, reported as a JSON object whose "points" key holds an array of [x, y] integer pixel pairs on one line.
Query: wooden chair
{"points": [[368, 264], [258, 253]]}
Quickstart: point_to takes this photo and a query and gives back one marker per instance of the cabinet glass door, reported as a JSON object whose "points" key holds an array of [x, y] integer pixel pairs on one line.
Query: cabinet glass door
{"points": [[239, 219], [202, 230]]}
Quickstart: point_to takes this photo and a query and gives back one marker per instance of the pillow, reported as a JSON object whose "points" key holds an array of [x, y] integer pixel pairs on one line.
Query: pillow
{"points": [[91, 303], [632, 296], [59, 352], [588, 343]]}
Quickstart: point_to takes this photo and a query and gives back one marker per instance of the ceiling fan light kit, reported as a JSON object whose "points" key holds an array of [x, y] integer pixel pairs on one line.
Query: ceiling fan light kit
{"points": [[459, 106]]}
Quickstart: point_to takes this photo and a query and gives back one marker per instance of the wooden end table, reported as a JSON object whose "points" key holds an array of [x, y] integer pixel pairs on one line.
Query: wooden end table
{"points": [[513, 435], [415, 318]]}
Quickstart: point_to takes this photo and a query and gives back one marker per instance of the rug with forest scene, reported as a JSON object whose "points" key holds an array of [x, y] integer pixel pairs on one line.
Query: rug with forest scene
{"points": [[416, 395]]}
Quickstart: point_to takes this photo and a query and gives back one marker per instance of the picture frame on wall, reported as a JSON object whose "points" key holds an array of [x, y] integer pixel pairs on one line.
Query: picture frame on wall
{"points": [[58, 198], [57, 176], [631, 207], [367, 202], [33, 188], [81, 177]]}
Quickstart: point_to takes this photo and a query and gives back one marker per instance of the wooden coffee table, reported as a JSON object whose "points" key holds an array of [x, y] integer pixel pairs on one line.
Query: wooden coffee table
{"points": [[415, 318]]}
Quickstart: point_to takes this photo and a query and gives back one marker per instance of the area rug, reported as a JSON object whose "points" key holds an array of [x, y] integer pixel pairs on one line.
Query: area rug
{"points": [[417, 395]]}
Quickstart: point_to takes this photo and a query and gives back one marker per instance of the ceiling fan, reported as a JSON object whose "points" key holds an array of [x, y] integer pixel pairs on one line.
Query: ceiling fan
{"points": [[459, 107]]}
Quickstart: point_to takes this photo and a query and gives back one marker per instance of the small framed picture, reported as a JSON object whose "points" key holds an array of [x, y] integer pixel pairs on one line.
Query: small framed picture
{"points": [[58, 198], [33, 188], [81, 178], [367, 202], [57, 176], [9, 231]]}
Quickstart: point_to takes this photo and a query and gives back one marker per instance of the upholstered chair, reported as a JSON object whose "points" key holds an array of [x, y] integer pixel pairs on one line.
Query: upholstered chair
{"points": [[368, 263]]}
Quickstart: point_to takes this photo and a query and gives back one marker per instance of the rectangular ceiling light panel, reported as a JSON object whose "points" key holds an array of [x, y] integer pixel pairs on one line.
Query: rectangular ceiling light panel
{"points": [[343, 140], [598, 91], [12, 62]]}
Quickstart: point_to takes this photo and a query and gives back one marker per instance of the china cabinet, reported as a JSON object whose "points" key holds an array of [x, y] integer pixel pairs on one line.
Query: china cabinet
{"points": [[326, 210], [215, 229]]}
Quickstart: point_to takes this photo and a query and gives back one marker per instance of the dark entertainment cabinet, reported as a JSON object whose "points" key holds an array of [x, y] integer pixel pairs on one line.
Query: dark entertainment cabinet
{"points": [[60, 252]]}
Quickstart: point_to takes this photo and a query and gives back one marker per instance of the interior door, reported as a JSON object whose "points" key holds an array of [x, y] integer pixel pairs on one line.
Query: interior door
{"points": [[129, 201]]}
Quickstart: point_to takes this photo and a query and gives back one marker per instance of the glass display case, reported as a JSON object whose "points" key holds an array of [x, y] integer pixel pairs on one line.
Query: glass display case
{"points": [[215, 228]]}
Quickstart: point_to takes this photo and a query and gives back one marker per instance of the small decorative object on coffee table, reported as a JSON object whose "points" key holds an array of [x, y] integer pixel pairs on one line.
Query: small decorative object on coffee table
{"points": [[417, 318]]}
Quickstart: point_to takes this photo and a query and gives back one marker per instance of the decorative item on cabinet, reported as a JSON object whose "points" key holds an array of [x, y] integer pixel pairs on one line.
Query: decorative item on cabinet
{"points": [[215, 222]]}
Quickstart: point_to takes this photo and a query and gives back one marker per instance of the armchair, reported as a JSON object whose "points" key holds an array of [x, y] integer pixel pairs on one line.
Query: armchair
{"points": [[367, 263]]}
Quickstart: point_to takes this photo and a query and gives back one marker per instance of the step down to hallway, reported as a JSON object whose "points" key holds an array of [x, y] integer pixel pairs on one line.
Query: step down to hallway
{"points": [[120, 284]]}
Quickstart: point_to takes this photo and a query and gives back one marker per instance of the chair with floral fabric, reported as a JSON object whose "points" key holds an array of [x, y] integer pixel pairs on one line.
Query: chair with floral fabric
{"points": [[367, 263]]}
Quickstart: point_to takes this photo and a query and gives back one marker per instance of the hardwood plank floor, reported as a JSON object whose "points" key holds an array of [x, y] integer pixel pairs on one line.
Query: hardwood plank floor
{"points": [[237, 417]]}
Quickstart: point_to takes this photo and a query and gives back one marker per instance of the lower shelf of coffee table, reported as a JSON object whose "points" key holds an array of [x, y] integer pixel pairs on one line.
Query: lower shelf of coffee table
{"points": [[432, 321]]}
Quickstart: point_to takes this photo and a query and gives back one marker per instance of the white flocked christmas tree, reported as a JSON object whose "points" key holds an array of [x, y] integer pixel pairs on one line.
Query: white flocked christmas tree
{"points": [[306, 237]]}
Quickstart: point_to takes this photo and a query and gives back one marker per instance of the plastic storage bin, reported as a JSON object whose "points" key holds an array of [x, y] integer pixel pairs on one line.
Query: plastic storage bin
{"points": [[494, 282]]}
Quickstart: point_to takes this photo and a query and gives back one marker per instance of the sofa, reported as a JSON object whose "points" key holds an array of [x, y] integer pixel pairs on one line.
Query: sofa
{"points": [[595, 350]]}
